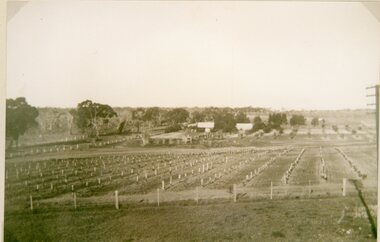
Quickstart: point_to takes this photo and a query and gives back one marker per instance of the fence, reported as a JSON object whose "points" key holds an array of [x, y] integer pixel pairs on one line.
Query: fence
{"points": [[198, 195], [61, 148]]}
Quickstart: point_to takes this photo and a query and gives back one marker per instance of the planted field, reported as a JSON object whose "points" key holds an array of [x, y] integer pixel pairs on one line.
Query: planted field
{"points": [[308, 169], [86, 183], [142, 172], [337, 167], [364, 158]]}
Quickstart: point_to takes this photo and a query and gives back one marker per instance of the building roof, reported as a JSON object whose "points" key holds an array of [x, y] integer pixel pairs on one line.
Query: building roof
{"points": [[205, 125], [244, 126]]}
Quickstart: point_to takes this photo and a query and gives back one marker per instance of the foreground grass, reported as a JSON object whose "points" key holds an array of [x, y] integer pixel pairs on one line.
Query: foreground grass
{"points": [[277, 220]]}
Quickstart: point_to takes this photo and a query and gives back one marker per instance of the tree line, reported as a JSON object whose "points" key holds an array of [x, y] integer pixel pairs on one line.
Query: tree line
{"points": [[92, 118]]}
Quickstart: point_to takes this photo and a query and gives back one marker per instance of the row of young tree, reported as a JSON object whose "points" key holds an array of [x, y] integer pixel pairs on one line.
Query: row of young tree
{"points": [[275, 122]]}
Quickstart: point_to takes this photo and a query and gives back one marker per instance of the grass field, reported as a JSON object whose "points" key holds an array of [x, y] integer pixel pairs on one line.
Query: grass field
{"points": [[276, 220]]}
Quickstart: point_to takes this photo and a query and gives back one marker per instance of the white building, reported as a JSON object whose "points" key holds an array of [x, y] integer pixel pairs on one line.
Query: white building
{"points": [[244, 126], [205, 125]]}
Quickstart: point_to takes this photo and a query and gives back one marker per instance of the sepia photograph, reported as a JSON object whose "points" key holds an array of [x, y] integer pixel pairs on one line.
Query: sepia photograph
{"points": [[191, 121]]}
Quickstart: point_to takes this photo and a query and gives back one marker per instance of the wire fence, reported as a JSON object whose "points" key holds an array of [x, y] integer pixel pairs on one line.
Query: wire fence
{"points": [[198, 195], [42, 149]]}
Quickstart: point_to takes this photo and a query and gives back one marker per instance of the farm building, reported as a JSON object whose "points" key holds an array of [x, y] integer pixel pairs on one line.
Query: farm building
{"points": [[207, 126], [243, 127], [171, 138]]}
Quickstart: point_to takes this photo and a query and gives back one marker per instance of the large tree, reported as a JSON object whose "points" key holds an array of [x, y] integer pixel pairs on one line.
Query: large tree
{"points": [[275, 120], [225, 121], [177, 116], [198, 116], [314, 121], [257, 124], [152, 115], [297, 120], [241, 117], [138, 117], [19, 117], [90, 116]]}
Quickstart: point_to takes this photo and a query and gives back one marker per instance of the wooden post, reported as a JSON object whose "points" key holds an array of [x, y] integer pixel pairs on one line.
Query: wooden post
{"points": [[196, 194], [309, 188], [31, 202], [271, 190], [116, 199], [158, 197], [234, 188], [344, 187], [75, 200]]}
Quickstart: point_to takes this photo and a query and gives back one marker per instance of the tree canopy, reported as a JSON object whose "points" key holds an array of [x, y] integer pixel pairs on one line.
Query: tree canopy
{"points": [[241, 117], [275, 120], [177, 116], [152, 114], [297, 120], [19, 117], [257, 124], [90, 116], [315, 121], [224, 121], [197, 116]]}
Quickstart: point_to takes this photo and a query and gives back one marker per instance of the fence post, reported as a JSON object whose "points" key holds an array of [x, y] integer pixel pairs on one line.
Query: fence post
{"points": [[344, 187], [271, 190], [196, 194], [158, 197], [75, 200], [31, 202], [116, 199], [234, 188]]}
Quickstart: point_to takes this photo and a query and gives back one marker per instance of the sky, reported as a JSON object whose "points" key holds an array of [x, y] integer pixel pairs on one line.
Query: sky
{"points": [[281, 55]]}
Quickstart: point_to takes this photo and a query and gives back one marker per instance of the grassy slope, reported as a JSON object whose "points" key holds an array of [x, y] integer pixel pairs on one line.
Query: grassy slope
{"points": [[277, 220]]}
